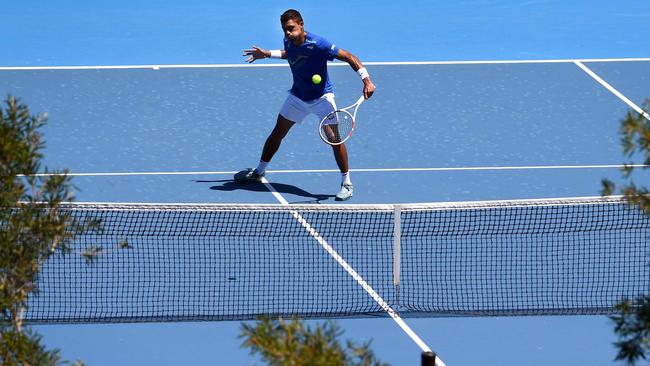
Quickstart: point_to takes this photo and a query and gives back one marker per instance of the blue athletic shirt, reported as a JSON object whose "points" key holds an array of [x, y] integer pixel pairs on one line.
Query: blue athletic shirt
{"points": [[308, 59]]}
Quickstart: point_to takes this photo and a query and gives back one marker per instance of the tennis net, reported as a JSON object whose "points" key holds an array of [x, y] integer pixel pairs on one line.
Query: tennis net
{"points": [[237, 262]]}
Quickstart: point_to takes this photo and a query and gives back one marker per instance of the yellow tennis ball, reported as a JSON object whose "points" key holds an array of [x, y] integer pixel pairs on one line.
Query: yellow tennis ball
{"points": [[316, 79]]}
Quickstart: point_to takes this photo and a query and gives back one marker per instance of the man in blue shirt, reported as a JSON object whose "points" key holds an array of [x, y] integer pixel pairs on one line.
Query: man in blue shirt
{"points": [[307, 54]]}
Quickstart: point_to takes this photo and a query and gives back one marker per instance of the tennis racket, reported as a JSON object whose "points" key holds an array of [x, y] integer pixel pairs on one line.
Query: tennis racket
{"points": [[337, 127]]}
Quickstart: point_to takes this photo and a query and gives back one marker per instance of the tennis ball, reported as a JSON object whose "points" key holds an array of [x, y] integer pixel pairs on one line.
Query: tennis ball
{"points": [[316, 79]]}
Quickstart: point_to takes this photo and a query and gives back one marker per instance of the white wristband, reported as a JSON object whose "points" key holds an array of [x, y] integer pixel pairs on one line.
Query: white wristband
{"points": [[276, 54], [363, 73]]}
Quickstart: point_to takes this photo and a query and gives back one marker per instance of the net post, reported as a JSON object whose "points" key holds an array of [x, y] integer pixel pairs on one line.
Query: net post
{"points": [[397, 244], [428, 359]]}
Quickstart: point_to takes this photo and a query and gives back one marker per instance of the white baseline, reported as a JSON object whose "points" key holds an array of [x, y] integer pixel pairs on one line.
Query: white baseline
{"points": [[284, 64]]}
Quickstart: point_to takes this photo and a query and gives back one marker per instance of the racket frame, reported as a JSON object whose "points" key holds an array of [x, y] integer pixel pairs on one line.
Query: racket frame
{"points": [[345, 110]]}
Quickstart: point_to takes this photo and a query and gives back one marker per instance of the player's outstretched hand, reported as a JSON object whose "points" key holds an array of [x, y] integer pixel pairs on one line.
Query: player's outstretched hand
{"points": [[255, 53]]}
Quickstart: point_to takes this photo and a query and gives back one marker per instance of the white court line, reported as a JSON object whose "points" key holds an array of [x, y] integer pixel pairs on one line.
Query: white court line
{"points": [[613, 90], [275, 193], [375, 296], [284, 64], [365, 170]]}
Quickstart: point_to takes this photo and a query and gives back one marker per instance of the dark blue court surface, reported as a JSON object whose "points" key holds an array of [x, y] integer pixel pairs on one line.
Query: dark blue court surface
{"points": [[214, 121]]}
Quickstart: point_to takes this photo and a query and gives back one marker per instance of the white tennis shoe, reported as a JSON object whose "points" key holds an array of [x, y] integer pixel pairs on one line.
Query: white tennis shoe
{"points": [[345, 193]]}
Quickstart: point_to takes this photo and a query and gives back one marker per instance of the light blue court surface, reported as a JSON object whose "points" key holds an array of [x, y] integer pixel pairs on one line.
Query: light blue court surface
{"points": [[435, 132]]}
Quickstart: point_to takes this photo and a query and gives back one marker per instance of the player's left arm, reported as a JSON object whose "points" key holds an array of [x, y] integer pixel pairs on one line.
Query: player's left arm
{"points": [[355, 63]]}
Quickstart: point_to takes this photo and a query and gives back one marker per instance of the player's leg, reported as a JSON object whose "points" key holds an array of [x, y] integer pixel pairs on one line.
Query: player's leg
{"points": [[271, 146], [341, 156], [292, 112], [326, 105], [273, 142]]}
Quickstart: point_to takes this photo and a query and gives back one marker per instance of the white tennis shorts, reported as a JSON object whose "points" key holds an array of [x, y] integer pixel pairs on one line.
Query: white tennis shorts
{"points": [[296, 110]]}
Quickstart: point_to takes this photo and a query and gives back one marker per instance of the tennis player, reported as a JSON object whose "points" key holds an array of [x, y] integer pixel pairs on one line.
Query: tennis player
{"points": [[307, 54]]}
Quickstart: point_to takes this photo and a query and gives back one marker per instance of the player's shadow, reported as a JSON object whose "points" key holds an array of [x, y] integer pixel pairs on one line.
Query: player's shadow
{"points": [[229, 185]]}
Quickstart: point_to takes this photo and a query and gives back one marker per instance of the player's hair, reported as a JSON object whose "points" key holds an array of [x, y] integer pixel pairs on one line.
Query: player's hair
{"points": [[291, 14]]}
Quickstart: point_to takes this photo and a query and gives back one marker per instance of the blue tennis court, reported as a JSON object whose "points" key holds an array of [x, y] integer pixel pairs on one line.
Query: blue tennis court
{"points": [[434, 132], [175, 128]]}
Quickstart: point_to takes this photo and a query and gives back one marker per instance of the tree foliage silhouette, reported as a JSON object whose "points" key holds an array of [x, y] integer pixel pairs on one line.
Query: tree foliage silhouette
{"points": [[632, 322], [293, 343]]}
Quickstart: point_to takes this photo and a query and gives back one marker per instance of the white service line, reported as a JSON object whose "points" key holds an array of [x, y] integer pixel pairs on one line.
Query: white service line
{"points": [[365, 170], [613, 90], [471, 168], [375, 296]]}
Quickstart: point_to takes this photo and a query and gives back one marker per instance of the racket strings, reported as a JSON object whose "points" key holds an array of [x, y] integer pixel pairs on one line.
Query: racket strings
{"points": [[337, 127]]}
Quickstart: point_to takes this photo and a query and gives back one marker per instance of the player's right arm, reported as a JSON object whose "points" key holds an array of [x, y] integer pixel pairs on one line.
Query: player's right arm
{"points": [[355, 63], [257, 53]]}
